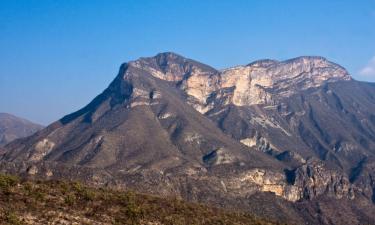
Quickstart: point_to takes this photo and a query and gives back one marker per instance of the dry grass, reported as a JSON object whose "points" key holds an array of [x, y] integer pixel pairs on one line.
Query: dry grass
{"points": [[59, 202]]}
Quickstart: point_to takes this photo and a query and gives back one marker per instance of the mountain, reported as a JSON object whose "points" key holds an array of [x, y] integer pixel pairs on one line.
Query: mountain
{"points": [[12, 127], [292, 141]]}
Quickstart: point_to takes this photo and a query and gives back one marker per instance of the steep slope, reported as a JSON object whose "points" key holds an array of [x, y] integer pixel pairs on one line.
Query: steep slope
{"points": [[329, 118], [295, 110], [262, 137], [12, 127], [291, 110]]}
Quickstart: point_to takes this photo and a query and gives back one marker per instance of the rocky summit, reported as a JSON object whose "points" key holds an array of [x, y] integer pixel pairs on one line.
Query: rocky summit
{"points": [[293, 141]]}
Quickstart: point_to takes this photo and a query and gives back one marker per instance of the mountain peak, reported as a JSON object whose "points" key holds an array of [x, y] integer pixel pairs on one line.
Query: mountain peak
{"points": [[250, 83], [263, 63], [307, 58], [170, 66], [165, 57], [300, 59], [170, 55], [313, 68]]}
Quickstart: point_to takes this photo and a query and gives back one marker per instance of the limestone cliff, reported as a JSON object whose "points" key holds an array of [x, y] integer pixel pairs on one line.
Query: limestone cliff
{"points": [[260, 82]]}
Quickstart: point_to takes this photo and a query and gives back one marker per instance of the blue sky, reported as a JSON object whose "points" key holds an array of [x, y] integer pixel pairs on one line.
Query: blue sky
{"points": [[55, 56]]}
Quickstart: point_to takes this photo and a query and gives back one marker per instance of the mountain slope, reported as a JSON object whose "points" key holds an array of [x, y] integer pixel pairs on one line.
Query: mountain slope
{"points": [[262, 137], [12, 127], [55, 202], [137, 110], [140, 129]]}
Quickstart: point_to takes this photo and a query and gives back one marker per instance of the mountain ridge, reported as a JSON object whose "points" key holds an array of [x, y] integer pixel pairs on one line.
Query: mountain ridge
{"points": [[169, 125], [13, 127]]}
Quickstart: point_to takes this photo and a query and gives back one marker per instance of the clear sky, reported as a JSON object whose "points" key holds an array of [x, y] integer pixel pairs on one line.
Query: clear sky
{"points": [[56, 55]]}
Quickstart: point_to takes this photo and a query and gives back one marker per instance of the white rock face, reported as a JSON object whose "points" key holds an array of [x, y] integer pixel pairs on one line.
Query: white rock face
{"points": [[268, 123], [249, 141], [198, 86], [32, 170], [193, 138], [247, 87], [42, 148], [142, 103], [223, 157], [262, 82], [166, 115], [202, 108], [154, 72], [257, 179], [260, 143], [137, 92], [251, 82]]}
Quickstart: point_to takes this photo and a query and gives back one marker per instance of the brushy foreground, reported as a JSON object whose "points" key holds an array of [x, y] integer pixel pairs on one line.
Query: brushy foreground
{"points": [[61, 202]]}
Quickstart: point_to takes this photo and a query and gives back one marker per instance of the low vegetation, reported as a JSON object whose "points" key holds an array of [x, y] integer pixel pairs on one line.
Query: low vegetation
{"points": [[59, 202]]}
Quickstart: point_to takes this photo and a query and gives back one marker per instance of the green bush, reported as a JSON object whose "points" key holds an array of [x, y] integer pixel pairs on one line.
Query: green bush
{"points": [[78, 187], [38, 195], [70, 199], [64, 188], [87, 195], [7, 182], [12, 219], [28, 187], [131, 212], [83, 192]]}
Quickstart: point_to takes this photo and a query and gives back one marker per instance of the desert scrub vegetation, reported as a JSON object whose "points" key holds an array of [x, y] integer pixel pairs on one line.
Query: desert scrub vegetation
{"points": [[61, 202], [7, 182]]}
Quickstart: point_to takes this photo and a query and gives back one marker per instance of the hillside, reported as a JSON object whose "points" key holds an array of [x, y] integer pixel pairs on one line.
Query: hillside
{"points": [[12, 127], [58, 202]]}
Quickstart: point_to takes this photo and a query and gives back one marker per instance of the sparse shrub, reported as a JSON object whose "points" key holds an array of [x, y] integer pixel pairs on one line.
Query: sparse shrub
{"points": [[106, 196], [132, 212], [83, 192], [12, 218], [109, 205], [175, 220], [70, 199], [34, 192], [7, 181], [28, 187], [77, 186], [88, 195], [38, 195], [64, 188]]}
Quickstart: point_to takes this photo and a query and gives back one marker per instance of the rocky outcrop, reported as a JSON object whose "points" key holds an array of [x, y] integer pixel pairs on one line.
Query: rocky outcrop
{"points": [[315, 179], [41, 149], [363, 177], [310, 180], [261, 180]]}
